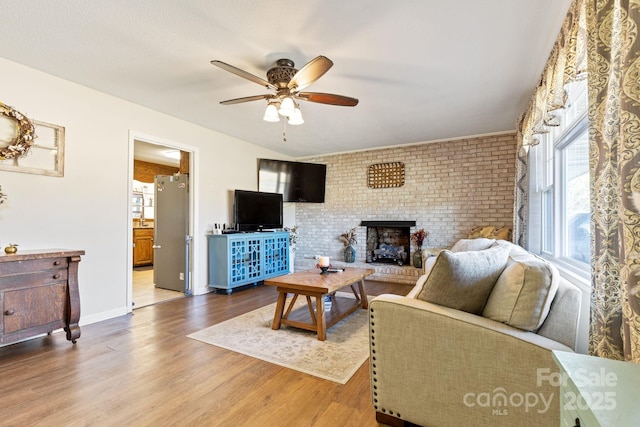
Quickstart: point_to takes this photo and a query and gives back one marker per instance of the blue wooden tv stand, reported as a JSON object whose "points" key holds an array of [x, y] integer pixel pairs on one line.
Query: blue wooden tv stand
{"points": [[244, 258]]}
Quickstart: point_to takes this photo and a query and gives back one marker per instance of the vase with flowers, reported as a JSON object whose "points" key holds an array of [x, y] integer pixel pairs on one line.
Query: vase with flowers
{"points": [[418, 239], [349, 240], [293, 245]]}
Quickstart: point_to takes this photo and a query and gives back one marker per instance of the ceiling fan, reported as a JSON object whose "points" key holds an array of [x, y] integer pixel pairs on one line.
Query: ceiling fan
{"points": [[286, 83]]}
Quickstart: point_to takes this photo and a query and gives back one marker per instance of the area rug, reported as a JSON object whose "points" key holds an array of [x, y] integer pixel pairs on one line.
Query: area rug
{"points": [[335, 359]]}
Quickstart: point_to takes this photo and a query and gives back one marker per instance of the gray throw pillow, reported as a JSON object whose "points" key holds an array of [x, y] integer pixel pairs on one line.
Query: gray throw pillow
{"points": [[464, 280], [523, 293]]}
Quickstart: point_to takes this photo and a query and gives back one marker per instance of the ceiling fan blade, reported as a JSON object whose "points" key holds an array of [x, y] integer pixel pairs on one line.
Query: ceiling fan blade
{"points": [[311, 72], [245, 99], [243, 74], [328, 98]]}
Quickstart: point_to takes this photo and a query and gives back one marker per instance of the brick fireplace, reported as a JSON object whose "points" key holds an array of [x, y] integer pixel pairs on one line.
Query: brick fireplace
{"points": [[450, 187], [388, 241]]}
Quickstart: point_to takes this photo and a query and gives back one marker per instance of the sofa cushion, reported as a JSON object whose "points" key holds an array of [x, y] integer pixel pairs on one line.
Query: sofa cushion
{"points": [[463, 280], [427, 264], [478, 244], [523, 293], [513, 248], [490, 232]]}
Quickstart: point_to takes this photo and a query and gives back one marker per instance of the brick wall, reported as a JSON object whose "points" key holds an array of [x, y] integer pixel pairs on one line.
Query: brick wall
{"points": [[450, 187]]}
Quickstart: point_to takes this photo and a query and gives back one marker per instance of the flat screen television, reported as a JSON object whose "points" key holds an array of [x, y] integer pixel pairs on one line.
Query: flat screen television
{"points": [[256, 210], [296, 181]]}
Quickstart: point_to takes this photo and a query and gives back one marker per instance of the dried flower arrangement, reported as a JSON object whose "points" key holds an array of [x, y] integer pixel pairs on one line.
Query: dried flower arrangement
{"points": [[418, 237], [293, 237], [349, 238]]}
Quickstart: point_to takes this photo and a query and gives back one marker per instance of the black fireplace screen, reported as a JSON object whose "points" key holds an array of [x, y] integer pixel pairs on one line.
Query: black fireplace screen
{"points": [[388, 241]]}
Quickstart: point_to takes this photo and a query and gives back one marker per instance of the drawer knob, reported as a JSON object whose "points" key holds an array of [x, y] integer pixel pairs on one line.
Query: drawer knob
{"points": [[9, 312], [56, 276], [56, 262]]}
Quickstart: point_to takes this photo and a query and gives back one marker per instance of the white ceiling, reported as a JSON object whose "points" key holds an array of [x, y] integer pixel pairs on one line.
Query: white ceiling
{"points": [[423, 70], [154, 153]]}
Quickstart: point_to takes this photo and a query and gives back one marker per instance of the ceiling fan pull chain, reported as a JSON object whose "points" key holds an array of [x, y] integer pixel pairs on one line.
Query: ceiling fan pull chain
{"points": [[284, 131]]}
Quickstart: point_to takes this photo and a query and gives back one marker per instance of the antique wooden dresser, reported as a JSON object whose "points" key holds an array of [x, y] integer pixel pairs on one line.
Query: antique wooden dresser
{"points": [[39, 294]]}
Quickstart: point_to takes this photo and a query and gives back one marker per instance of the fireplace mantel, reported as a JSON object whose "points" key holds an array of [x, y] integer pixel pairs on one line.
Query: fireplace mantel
{"points": [[377, 223]]}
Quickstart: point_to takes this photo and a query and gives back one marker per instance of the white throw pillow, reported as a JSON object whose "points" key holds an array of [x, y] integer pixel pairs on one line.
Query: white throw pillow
{"points": [[513, 248], [478, 244], [523, 293], [463, 280]]}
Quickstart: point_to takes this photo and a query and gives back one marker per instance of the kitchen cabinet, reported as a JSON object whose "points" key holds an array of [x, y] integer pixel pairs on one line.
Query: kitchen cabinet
{"points": [[39, 294], [244, 258], [142, 246]]}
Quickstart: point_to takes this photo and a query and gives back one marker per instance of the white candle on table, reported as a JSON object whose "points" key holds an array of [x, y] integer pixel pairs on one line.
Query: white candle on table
{"points": [[323, 261]]}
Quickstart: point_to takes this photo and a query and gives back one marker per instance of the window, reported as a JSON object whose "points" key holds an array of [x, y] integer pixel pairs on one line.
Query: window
{"points": [[559, 207], [576, 213]]}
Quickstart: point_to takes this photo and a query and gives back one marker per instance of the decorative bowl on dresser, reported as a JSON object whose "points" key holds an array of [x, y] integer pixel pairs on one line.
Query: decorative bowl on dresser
{"points": [[39, 294]]}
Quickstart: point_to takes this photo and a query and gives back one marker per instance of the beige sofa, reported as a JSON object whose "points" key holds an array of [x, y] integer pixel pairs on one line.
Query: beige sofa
{"points": [[434, 365]]}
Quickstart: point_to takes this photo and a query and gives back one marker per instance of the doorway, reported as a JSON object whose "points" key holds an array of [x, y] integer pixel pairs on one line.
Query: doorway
{"points": [[150, 159]]}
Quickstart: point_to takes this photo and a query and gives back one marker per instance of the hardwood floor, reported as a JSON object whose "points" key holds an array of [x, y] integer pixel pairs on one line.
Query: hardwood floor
{"points": [[145, 293], [142, 370]]}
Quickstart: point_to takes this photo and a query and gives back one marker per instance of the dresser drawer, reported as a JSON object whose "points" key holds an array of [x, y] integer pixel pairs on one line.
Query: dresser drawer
{"points": [[598, 392], [568, 419], [34, 279], [27, 308], [30, 266]]}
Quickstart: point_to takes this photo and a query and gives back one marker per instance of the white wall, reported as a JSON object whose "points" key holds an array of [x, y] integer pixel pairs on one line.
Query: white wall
{"points": [[88, 207]]}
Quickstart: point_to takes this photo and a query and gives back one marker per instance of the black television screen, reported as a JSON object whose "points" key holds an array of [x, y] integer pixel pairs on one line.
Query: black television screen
{"points": [[296, 181], [255, 210]]}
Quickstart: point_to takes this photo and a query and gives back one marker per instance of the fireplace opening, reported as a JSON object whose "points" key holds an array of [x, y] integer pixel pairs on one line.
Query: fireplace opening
{"points": [[388, 241]]}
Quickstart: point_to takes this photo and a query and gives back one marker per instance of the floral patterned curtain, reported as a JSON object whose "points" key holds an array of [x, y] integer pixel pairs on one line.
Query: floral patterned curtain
{"points": [[520, 200], [614, 133], [567, 63], [601, 37]]}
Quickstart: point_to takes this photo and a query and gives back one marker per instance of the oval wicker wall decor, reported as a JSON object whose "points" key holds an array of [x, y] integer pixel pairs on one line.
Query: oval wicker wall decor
{"points": [[386, 175]]}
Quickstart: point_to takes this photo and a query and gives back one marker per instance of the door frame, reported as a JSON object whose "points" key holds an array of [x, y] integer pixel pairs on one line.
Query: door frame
{"points": [[193, 216]]}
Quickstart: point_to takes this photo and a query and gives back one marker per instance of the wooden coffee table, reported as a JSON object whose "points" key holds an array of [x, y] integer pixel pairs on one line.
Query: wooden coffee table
{"points": [[312, 284]]}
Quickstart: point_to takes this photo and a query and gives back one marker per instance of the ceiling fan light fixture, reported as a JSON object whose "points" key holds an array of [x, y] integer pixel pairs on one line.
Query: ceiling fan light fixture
{"points": [[271, 113], [296, 117], [287, 106], [285, 83]]}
